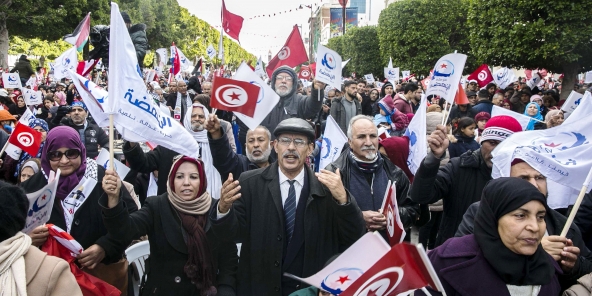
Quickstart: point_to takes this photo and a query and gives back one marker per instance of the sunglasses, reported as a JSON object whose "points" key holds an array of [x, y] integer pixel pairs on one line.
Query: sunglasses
{"points": [[70, 154]]}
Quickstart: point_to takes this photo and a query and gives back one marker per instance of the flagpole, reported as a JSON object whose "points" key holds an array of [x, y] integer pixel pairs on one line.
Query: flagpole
{"points": [[445, 119], [111, 151], [576, 206], [4, 148]]}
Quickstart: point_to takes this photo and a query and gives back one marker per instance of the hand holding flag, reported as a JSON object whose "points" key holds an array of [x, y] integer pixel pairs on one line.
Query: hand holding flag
{"points": [[390, 209]]}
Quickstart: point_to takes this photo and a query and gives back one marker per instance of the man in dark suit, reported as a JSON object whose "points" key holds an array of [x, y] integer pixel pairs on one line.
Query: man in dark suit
{"points": [[288, 219]]}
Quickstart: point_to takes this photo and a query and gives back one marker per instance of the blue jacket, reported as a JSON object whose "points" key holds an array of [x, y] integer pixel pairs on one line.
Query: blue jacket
{"points": [[462, 145]]}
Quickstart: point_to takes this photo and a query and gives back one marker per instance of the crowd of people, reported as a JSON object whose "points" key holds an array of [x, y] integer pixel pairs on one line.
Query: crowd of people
{"points": [[256, 204]]}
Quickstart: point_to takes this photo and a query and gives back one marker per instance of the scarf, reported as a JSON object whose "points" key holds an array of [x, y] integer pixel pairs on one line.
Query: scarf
{"points": [[26, 156], [502, 196], [365, 166], [214, 179], [64, 137], [13, 278], [199, 266], [181, 108], [537, 116]]}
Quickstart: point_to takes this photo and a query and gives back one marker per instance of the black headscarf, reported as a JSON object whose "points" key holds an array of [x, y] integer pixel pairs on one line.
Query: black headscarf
{"points": [[383, 93], [501, 196]]}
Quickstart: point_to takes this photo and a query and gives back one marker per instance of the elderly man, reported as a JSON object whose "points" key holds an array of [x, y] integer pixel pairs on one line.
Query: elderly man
{"points": [[365, 173], [91, 134], [460, 182], [570, 252], [292, 104], [288, 219], [227, 161], [179, 101]]}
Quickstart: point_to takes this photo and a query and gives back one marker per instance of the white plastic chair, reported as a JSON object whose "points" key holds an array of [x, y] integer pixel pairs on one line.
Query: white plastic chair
{"points": [[136, 254]]}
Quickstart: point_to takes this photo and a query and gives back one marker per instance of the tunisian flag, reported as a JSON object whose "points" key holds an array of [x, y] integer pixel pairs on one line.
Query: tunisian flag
{"points": [[292, 54], [231, 22], [482, 75], [304, 73], [234, 95], [25, 138], [390, 209]]}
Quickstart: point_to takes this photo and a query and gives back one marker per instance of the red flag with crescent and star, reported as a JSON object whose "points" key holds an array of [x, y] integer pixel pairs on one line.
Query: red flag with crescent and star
{"points": [[304, 73], [234, 95], [231, 23], [25, 138], [482, 75], [291, 54], [394, 227]]}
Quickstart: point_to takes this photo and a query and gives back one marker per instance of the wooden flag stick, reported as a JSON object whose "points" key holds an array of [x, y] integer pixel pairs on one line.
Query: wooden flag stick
{"points": [[4, 148], [111, 140], [576, 206], [445, 119]]}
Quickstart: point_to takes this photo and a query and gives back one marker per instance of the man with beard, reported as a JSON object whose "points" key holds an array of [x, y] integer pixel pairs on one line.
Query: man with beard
{"points": [[206, 87], [179, 100], [161, 159], [365, 173], [284, 81], [343, 109], [91, 134], [227, 161]]}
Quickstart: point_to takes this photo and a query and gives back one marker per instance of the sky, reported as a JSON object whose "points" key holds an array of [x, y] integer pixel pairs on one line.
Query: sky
{"points": [[258, 35]]}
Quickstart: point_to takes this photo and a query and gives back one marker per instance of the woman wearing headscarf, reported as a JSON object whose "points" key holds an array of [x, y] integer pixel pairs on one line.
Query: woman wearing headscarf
{"points": [[76, 209], [12, 167], [18, 109], [24, 269], [504, 256], [28, 169], [554, 118], [533, 110], [185, 256]]}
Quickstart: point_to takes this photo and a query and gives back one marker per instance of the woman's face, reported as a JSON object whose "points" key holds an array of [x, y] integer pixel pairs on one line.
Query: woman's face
{"points": [[66, 164], [26, 173], [42, 131], [532, 110], [506, 105], [187, 181], [557, 120], [373, 95], [521, 230], [388, 90], [21, 102], [48, 104]]}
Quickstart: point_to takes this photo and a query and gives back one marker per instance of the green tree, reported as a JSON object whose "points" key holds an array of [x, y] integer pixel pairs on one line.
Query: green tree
{"points": [[416, 33], [555, 35], [361, 46], [336, 44]]}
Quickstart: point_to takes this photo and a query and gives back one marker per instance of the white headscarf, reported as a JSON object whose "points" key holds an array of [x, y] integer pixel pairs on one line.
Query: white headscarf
{"points": [[214, 179]]}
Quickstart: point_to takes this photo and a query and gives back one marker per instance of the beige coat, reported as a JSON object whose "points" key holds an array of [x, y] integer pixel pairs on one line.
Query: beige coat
{"points": [[49, 275], [582, 288]]}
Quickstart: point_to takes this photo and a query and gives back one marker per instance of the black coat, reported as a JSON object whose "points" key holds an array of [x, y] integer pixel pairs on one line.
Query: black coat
{"points": [[87, 225], [94, 136], [160, 159], [584, 219], [168, 249], [408, 210], [227, 161], [459, 184], [257, 220]]}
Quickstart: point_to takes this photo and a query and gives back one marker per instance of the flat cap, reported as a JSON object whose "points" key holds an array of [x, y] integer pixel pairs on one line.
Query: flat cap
{"points": [[295, 126], [471, 93]]}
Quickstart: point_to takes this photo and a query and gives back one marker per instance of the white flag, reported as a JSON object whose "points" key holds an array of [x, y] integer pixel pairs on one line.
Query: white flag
{"points": [[221, 46], [534, 81], [11, 80], [561, 153], [267, 100], [328, 67], [333, 141], [32, 82], [259, 69], [137, 118], [32, 97], [369, 78], [185, 63], [572, 102], [211, 51], [68, 61], [583, 109], [521, 118], [391, 74], [103, 160], [390, 64], [41, 203], [416, 132], [344, 63], [367, 251], [588, 78], [503, 77], [162, 54], [447, 74], [406, 74]]}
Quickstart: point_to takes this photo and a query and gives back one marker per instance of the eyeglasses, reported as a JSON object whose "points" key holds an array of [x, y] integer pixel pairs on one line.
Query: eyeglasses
{"points": [[284, 78], [325, 293], [70, 154], [297, 142]]}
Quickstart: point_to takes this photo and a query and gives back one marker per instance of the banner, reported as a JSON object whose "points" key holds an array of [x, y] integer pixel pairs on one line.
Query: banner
{"points": [[391, 74], [11, 80], [561, 153], [103, 160], [406, 74], [588, 78], [534, 81], [521, 118], [333, 141], [266, 101], [234, 95], [573, 101], [162, 55], [390, 209], [369, 78], [328, 67], [32, 98], [68, 61], [259, 69], [447, 74], [482, 75], [41, 203], [584, 108], [416, 132], [211, 51], [503, 77]]}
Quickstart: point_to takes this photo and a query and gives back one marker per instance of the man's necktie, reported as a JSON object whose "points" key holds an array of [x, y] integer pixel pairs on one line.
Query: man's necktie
{"points": [[290, 210]]}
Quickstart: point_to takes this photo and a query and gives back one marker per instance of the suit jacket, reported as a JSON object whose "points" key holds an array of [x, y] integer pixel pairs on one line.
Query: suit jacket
{"points": [[257, 220], [49, 275]]}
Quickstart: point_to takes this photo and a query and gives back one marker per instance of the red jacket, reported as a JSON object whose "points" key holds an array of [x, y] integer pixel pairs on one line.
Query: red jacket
{"points": [[402, 104]]}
